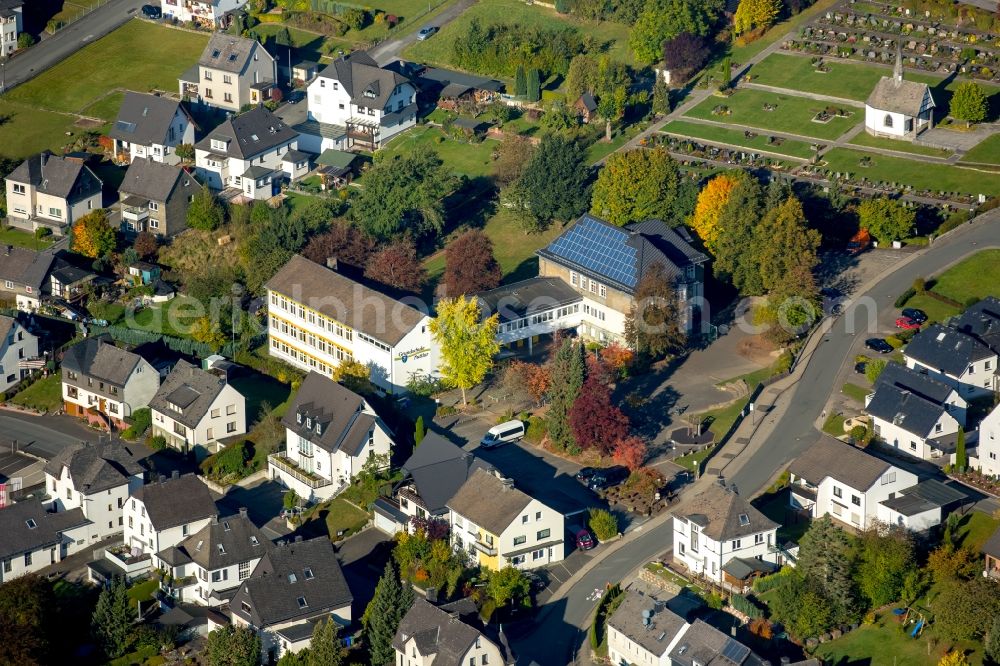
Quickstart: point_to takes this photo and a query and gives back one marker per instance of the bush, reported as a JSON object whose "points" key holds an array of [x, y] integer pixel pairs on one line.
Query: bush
{"points": [[745, 606], [230, 461], [894, 341], [42, 232], [603, 524], [904, 297], [444, 410], [158, 443], [920, 285], [956, 220], [715, 601], [768, 583], [424, 386], [141, 420], [536, 431]]}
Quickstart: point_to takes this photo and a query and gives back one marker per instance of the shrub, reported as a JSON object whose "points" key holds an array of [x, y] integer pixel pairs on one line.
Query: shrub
{"points": [[141, 420], [956, 220], [42, 232], [158, 443], [768, 583], [919, 285], [444, 410], [904, 297], [715, 601], [745, 606], [536, 431], [894, 341], [230, 461], [424, 386], [603, 524]]}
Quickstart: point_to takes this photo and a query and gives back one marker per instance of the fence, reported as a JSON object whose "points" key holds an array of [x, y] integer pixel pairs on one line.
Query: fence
{"points": [[56, 24]]}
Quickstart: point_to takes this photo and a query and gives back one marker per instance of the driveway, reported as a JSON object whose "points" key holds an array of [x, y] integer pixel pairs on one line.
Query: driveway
{"points": [[391, 50], [42, 436]]}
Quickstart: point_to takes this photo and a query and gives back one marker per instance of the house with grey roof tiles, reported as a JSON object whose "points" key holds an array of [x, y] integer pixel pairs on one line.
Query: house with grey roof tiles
{"points": [[17, 346], [207, 567], [11, 25], [956, 358], [210, 14], [162, 514], [155, 197], [355, 103], [104, 383], [24, 274], [250, 154], [150, 126], [441, 636], [34, 538], [97, 479], [51, 191], [330, 433], [231, 73], [194, 409], [293, 586], [982, 321]]}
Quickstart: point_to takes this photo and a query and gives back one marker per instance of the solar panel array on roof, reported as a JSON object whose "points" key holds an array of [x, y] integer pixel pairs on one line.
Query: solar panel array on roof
{"points": [[598, 248], [734, 651]]}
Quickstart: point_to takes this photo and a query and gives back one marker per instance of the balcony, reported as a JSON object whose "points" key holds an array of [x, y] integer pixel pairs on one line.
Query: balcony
{"points": [[289, 467], [485, 549], [135, 209]]}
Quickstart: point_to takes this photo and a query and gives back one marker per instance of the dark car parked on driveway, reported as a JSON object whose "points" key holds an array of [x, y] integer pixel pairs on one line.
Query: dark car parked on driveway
{"points": [[913, 314], [608, 477], [879, 345], [152, 12]]}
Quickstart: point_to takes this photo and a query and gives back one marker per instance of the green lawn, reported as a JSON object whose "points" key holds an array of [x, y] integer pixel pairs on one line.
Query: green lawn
{"points": [[25, 130], [923, 176], [176, 317], [137, 56], [834, 425], [791, 114], [975, 277], [259, 389], [105, 108], [885, 644], [722, 418], [732, 137], [986, 151], [437, 49], [856, 392], [16, 237], [143, 591], [869, 141], [936, 310], [775, 506], [466, 159], [974, 529], [44, 395], [343, 519]]}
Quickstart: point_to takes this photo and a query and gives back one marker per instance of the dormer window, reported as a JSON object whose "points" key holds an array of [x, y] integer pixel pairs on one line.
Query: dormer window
{"points": [[225, 526], [222, 549], [309, 423], [254, 541], [218, 144], [319, 428]]}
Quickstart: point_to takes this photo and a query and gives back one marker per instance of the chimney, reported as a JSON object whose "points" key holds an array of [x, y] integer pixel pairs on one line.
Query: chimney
{"points": [[215, 519], [331, 263], [243, 512], [175, 474]]}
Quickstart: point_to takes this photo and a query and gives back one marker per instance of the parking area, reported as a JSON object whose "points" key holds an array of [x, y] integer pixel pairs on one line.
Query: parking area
{"points": [[23, 471]]}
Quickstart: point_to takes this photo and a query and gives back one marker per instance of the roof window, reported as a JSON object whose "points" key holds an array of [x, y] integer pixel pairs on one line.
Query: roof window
{"points": [[30, 522], [292, 578], [308, 573], [744, 520], [302, 602]]}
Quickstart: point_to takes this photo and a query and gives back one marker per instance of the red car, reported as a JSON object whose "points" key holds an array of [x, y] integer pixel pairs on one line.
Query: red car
{"points": [[907, 323], [583, 540]]}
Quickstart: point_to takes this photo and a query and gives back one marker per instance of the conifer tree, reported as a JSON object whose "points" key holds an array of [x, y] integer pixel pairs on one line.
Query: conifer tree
{"points": [[520, 82], [384, 613]]}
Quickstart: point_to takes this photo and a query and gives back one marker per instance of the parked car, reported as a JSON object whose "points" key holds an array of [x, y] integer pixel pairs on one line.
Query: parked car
{"points": [[152, 12], [878, 345], [608, 478], [916, 315], [860, 367], [426, 32], [907, 324], [585, 474], [511, 431], [584, 540]]}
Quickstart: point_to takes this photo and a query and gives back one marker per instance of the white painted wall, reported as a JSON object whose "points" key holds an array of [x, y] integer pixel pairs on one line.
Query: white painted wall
{"points": [[226, 417], [229, 173], [139, 531], [708, 556], [978, 380], [915, 444], [19, 344], [10, 29]]}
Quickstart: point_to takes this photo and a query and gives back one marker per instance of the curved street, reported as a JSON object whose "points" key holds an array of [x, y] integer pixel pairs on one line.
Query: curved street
{"points": [[560, 633]]}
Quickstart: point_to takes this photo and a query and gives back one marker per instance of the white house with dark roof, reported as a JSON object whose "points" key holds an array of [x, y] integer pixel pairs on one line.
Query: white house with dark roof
{"points": [[51, 191], [295, 585], [17, 347], [206, 13], [498, 525], [318, 317], [164, 513], [194, 409], [441, 636], [155, 197], [207, 567], [34, 538], [231, 73], [956, 358], [988, 447], [150, 126], [104, 383], [251, 152], [97, 479], [330, 433], [11, 25], [359, 103], [23, 275], [723, 537], [899, 109]]}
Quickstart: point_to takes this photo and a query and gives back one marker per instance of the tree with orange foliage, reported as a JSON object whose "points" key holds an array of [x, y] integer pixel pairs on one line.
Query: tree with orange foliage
{"points": [[531, 378], [630, 451], [617, 357], [712, 199], [93, 235]]}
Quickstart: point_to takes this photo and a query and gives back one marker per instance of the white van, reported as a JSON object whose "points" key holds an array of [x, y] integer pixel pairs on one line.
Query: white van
{"points": [[511, 431]]}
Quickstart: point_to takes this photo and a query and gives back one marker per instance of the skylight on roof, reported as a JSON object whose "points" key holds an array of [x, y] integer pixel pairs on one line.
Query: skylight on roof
{"points": [[222, 549], [254, 137], [302, 602], [744, 520], [308, 573], [225, 525], [30, 522], [254, 541], [200, 544], [232, 57], [292, 578], [216, 53]]}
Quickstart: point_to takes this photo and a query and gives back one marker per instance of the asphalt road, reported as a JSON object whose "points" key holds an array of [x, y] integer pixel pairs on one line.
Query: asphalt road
{"points": [[557, 634], [55, 48], [43, 436], [390, 50]]}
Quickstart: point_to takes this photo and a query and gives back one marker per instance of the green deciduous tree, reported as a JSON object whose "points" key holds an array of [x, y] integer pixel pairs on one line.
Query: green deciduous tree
{"points": [[873, 369], [554, 184], [468, 342], [636, 185], [93, 235], [783, 241], [661, 20], [965, 610], [969, 103], [992, 643], [568, 374], [233, 646], [887, 219], [113, 618], [736, 222], [26, 616], [205, 212], [384, 613], [603, 524], [886, 557], [654, 325], [508, 586]]}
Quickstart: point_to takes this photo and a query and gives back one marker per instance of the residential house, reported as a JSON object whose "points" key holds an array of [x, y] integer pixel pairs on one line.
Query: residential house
{"points": [[23, 275], [603, 264], [991, 550], [371, 105], [34, 538], [253, 153], [69, 283], [194, 409], [211, 14], [955, 358], [330, 433], [837, 479], [982, 321], [207, 567], [17, 347], [899, 109], [923, 506], [150, 126], [988, 448], [51, 191], [166, 512], [499, 525], [702, 643], [720, 527], [430, 478], [11, 25], [916, 413], [429, 634], [319, 317], [293, 586], [155, 197], [104, 383], [96, 479], [231, 73]]}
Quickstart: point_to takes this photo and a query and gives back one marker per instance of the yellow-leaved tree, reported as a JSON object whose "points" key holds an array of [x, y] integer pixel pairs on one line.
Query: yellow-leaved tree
{"points": [[711, 200], [954, 658], [755, 15], [93, 235], [636, 185], [468, 342]]}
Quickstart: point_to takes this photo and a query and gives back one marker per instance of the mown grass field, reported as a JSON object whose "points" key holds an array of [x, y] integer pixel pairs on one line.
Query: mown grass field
{"points": [[921, 175], [465, 159], [736, 138], [25, 130], [975, 277], [791, 114], [985, 152], [868, 141]]}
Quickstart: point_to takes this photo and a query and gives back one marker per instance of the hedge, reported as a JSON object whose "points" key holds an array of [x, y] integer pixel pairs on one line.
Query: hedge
{"points": [[904, 297], [745, 606], [768, 583], [605, 608]]}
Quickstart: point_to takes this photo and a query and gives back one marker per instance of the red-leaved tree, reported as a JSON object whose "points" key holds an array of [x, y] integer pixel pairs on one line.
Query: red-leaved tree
{"points": [[344, 242], [617, 358], [470, 265], [397, 265], [532, 378], [594, 421], [630, 451], [145, 244]]}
